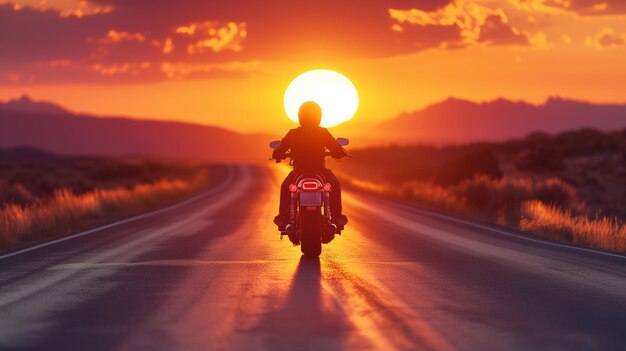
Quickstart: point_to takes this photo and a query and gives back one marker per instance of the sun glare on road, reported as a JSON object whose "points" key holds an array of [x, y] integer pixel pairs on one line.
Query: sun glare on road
{"points": [[332, 91]]}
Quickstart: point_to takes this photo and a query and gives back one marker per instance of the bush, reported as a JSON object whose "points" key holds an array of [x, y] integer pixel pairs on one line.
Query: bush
{"points": [[540, 158], [556, 192], [551, 222], [67, 212], [586, 142], [467, 166], [431, 195], [14, 193]]}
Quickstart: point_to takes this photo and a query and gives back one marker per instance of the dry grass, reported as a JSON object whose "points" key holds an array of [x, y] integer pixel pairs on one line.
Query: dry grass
{"points": [[549, 208], [483, 196], [66, 212], [545, 184], [557, 224], [501, 200], [431, 195]]}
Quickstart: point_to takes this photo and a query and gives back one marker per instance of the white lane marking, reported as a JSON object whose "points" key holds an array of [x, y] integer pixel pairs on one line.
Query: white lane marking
{"points": [[196, 263], [222, 186], [8, 297], [499, 231], [165, 263]]}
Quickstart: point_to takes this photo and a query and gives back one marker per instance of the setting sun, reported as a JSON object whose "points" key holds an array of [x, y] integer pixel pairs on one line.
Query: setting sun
{"points": [[332, 91]]}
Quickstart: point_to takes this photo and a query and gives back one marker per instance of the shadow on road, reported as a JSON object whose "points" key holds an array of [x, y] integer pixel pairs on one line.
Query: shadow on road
{"points": [[308, 320]]}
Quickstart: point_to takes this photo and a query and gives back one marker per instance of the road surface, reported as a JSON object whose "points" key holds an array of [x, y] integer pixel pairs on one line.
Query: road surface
{"points": [[211, 273]]}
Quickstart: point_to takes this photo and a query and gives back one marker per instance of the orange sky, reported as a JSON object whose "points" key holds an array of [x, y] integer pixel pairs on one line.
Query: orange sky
{"points": [[230, 65]]}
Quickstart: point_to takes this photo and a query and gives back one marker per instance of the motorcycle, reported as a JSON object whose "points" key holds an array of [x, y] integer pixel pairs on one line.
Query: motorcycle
{"points": [[309, 212]]}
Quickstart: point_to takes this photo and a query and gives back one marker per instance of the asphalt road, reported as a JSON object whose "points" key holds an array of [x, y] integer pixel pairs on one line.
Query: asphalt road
{"points": [[211, 273]]}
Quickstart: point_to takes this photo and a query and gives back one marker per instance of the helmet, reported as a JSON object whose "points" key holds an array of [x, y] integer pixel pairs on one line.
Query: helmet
{"points": [[310, 114]]}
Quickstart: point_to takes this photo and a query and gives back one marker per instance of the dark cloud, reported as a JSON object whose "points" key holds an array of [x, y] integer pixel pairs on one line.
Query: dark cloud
{"points": [[496, 32], [590, 7], [284, 29], [609, 39], [606, 38], [29, 35], [145, 36], [466, 22]]}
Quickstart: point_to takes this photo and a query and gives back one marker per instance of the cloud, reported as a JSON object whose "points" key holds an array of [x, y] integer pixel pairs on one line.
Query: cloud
{"points": [[606, 39], [590, 7], [64, 8], [115, 34], [133, 69], [167, 46], [213, 36], [182, 70], [266, 30], [29, 35], [580, 7], [476, 24], [496, 31]]}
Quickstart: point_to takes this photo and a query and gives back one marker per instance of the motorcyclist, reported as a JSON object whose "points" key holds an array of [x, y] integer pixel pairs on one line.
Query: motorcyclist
{"points": [[308, 144]]}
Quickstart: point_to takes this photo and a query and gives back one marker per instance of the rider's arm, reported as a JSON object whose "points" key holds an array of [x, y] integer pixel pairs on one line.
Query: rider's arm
{"points": [[336, 150], [285, 145]]}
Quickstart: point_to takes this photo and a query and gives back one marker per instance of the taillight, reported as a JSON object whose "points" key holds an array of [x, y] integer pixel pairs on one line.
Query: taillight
{"points": [[310, 186], [293, 188], [327, 187]]}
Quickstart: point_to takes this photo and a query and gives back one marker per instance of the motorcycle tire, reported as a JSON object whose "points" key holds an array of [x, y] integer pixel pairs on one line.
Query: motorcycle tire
{"points": [[311, 229]]}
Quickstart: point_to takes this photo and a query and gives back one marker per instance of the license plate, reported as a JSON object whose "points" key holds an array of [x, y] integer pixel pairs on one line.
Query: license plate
{"points": [[310, 199]]}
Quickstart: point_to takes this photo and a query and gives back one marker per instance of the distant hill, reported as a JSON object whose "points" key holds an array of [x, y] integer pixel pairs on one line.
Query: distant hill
{"points": [[49, 127], [26, 154], [26, 104], [24, 122], [456, 121]]}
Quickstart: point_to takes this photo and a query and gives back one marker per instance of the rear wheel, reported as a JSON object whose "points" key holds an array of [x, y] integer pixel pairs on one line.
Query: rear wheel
{"points": [[311, 229]]}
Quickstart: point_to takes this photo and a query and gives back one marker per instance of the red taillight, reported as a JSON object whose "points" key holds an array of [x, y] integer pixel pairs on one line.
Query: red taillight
{"points": [[327, 187], [310, 186], [293, 188]]}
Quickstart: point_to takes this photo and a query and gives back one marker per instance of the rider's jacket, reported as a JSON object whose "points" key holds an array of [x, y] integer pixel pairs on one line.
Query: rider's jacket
{"points": [[308, 146]]}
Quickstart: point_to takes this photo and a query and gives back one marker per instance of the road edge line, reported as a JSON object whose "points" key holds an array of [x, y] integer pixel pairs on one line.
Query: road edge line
{"points": [[207, 193], [499, 231]]}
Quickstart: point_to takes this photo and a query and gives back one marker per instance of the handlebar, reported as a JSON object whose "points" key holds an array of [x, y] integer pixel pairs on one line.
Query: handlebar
{"points": [[289, 155]]}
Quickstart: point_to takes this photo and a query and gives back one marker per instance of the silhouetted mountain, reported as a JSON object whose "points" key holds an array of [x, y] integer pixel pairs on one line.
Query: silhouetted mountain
{"points": [[455, 120], [51, 128], [26, 104], [26, 154]]}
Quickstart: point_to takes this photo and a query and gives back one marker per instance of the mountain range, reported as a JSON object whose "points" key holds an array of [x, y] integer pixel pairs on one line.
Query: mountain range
{"points": [[459, 121], [47, 126]]}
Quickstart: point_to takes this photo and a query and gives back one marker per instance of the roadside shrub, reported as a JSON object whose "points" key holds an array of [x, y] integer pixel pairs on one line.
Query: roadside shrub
{"points": [[556, 192], [14, 193], [431, 195], [586, 142], [68, 212], [540, 158], [477, 192], [467, 166], [484, 193], [117, 171], [551, 222]]}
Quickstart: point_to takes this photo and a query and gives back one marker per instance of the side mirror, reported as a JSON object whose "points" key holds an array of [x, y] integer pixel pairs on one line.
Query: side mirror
{"points": [[343, 141], [274, 144]]}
